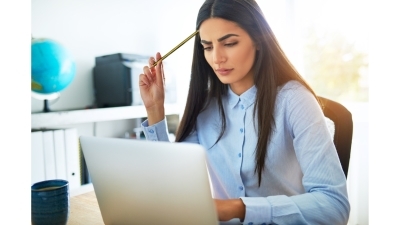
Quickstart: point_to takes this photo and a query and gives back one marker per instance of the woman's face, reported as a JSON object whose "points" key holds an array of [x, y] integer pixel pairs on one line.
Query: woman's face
{"points": [[230, 51]]}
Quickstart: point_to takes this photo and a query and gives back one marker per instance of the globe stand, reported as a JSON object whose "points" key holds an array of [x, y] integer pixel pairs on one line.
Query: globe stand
{"points": [[46, 106], [46, 98]]}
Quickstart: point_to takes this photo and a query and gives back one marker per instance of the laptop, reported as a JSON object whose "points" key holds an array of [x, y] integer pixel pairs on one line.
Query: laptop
{"points": [[146, 182]]}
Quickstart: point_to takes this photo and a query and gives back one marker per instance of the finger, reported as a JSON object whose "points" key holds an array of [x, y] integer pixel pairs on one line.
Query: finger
{"points": [[158, 57], [159, 70], [143, 81], [162, 73], [148, 73], [151, 63]]}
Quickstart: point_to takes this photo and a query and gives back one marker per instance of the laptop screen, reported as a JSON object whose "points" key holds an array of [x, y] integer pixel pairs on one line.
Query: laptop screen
{"points": [[144, 182]]}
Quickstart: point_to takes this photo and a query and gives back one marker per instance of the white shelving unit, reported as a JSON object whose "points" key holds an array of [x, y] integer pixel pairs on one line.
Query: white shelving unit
{"points": [[50, 119], [88, 122]]}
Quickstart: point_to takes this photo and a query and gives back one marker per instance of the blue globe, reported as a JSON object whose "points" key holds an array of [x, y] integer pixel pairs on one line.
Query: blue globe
{"points": [[52, 67]]}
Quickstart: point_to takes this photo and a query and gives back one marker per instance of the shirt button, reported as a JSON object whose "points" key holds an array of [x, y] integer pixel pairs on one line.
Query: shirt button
{"points": [[241, 130], [151, 131], [251, 223], [240, 155], [241, 188], [242, 107]]}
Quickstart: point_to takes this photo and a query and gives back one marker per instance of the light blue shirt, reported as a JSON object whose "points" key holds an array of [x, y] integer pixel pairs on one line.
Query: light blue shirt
{"points": [[303, 182]]}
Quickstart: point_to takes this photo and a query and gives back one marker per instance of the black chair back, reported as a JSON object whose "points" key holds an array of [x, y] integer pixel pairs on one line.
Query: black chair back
{"points": [[343, 134]]}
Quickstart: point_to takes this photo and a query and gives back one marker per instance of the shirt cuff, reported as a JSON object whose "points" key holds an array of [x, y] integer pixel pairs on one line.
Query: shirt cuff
{"points": [[258, 211], [155, 132]]}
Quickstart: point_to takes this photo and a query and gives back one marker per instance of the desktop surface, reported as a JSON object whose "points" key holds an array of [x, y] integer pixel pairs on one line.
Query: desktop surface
{"points": [[84, 209]]}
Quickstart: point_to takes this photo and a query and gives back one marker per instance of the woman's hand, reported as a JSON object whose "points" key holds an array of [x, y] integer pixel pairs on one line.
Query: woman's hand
{"points": [[230, 209], [151, 85]]}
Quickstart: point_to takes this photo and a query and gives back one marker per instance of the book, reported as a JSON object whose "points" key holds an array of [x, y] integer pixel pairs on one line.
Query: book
{"points": [[37, 157], [60, 154], [72, 157], [49, 158]]}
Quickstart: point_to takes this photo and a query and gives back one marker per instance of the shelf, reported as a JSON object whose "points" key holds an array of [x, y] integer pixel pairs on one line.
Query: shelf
{"points": [[53, 119]]}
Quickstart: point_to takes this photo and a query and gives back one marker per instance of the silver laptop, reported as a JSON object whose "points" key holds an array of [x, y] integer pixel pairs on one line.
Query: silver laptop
{"points": [[145, 182]]}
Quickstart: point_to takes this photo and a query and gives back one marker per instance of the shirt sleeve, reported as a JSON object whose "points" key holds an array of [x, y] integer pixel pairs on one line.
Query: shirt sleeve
{"points": [[156, 132], [325, 200], [159, 132], [258, 210]]}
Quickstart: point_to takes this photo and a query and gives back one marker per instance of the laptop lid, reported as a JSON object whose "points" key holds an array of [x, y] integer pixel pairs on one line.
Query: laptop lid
{"points": [[144, 182]]}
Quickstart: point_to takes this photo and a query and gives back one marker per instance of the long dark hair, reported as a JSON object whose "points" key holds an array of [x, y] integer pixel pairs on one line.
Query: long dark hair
{"points": [[271, 70]]}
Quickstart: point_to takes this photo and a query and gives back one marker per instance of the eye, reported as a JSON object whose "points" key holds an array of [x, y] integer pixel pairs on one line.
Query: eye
{"points": [[207, 48], [230, 44]]}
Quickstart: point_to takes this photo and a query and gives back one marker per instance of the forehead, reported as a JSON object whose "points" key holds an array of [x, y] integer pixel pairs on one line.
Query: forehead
{"points": [[214, 28]]}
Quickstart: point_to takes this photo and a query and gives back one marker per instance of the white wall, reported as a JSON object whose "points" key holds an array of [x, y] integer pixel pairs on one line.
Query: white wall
{"points": [[93, 28], [358, 174]]}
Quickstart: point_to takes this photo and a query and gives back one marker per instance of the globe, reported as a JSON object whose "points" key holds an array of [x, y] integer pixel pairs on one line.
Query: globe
{"points": [[52, 67]]}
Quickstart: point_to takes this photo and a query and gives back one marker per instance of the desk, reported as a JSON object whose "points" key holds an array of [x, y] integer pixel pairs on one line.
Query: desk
{"points": [[84, 208]]}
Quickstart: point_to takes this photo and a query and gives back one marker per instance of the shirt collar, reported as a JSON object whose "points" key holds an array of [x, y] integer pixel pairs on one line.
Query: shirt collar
{"points": [[246, 99]]}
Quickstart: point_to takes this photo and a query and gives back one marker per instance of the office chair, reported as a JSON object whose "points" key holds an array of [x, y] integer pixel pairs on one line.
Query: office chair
{"points": [[343, 133]]}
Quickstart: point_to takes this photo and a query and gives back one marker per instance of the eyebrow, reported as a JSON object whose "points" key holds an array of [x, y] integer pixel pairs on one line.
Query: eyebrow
{"points": [[219, 39]]}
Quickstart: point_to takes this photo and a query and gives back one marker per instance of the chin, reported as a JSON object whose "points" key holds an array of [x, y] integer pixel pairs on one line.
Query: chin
{"points": [[225, 80]]}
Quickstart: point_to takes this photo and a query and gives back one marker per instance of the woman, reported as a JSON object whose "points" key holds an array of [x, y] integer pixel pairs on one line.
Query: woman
{"points": [[270, 155]]}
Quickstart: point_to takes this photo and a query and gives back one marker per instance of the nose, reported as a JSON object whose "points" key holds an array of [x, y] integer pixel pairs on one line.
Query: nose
{"points": [[218, 55]]}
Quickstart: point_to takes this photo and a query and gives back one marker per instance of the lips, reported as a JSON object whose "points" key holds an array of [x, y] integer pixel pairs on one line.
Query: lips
{"points": [[223, 71]]}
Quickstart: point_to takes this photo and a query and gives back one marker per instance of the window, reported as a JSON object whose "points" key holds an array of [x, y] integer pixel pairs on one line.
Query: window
{"points": [[327, 43]]}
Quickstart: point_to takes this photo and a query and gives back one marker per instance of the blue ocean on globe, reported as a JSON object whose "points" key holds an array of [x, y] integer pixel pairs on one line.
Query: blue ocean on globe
{"points": [[52, 67]]}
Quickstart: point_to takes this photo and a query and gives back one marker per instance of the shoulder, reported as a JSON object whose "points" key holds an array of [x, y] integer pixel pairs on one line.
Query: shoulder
{"points": [[298, 106], [293, 91], [291, 87], [297, 100]]}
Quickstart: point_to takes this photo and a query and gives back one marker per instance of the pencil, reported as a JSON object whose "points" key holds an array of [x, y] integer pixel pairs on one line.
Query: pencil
{"points": [[176, 47]]}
